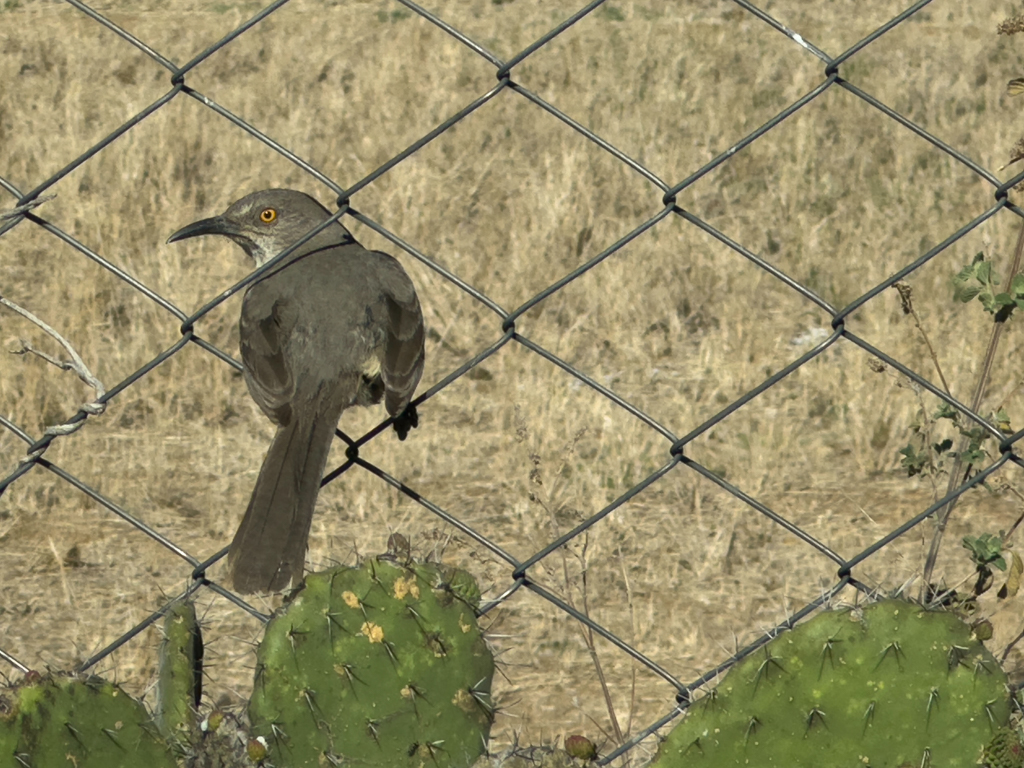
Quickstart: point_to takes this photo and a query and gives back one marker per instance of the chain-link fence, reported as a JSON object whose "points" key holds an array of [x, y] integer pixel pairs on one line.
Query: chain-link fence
{"points": [[29, 211]]}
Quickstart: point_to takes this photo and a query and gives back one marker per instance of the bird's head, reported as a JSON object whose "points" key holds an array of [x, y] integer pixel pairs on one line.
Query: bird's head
{"points": [[265, 223]]}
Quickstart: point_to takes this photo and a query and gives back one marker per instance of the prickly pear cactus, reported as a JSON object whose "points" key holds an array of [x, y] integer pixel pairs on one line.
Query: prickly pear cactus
{"points": [[382, 665], [885, 686], [1005, 750], [179, 687], [89, 723]]}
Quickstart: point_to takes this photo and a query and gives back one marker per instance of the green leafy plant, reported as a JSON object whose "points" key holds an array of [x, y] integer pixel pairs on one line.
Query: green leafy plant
{"points": [[989, 551], [986, 550], [959, 453], [978, 280], [926, 456]]}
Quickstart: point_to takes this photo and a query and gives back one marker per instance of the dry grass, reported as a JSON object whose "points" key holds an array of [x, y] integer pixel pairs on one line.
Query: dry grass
{"points": [[838, 196]]}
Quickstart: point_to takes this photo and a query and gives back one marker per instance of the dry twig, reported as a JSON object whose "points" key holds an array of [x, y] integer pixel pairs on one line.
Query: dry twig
{"points": [[76, 364]]}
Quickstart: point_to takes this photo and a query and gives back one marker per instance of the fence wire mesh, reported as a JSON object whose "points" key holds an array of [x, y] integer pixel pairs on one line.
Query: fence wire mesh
{"points": [[28, 209]]}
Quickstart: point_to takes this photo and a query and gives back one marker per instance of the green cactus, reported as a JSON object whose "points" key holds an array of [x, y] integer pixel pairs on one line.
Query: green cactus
{"points": [[382, 665], [179, 687], [888, 685], [50, 721], [9, 735], [1005, 750]]}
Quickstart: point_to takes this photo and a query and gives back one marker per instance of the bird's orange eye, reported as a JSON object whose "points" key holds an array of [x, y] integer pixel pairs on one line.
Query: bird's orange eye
{"points": [[268, 215]]}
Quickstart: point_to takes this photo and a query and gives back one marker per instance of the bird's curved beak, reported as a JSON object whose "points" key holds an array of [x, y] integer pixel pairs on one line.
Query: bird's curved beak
{"points": [[218, 225]]}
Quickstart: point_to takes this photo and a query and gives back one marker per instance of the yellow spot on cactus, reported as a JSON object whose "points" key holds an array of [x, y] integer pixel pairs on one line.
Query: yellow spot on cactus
{"points": [[405, 587], [372, 631], [464, 626], [401, 588], [350, 599], [463, 700], [407, 693]]}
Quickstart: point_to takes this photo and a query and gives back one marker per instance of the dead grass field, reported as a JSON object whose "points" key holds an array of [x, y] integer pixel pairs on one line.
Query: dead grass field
{"points": [[838, 196]]}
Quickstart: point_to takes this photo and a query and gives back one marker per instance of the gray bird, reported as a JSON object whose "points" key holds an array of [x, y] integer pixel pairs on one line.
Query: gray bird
{"points": [[332, 326]]}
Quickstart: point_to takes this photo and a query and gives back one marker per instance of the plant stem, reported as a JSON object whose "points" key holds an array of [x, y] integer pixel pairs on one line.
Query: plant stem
{"points": [[906, 298]]}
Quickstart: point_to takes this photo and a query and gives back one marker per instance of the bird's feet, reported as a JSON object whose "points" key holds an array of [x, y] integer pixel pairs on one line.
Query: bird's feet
{"points": [[406, 420]]}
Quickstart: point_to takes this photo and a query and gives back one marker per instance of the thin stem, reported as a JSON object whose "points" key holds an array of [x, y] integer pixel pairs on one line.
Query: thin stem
{"points": [[1010, 646], [906, 299]]}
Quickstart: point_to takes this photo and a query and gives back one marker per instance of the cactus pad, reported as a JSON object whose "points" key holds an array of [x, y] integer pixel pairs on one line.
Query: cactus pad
{"points": [[888, 685], [179, 687], [382, 665], [84, 722]]}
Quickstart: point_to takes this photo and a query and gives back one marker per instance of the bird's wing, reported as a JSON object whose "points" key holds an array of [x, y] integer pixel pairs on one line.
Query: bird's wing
{"points": [[264, 328], [402, 362]]}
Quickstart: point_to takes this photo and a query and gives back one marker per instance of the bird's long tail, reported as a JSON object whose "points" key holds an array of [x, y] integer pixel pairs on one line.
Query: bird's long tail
{"points": [[269, 549]]}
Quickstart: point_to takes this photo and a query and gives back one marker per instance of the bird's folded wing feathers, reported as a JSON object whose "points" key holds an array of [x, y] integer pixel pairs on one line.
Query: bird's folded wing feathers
{"points": [[402, 365], [264, 329]]}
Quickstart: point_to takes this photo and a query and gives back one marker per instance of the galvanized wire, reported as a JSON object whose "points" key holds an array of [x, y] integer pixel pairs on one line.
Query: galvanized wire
{"points": [[664, 203]]}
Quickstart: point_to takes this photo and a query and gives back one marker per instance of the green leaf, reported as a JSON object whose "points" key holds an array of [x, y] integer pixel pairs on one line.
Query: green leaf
{"points": [[1002, 420], [1017, 285], [966, 293], [983, 271], [977, 435], [985, 550], [972, 456], [1004, 300], [913, 461], [965, 274]]}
